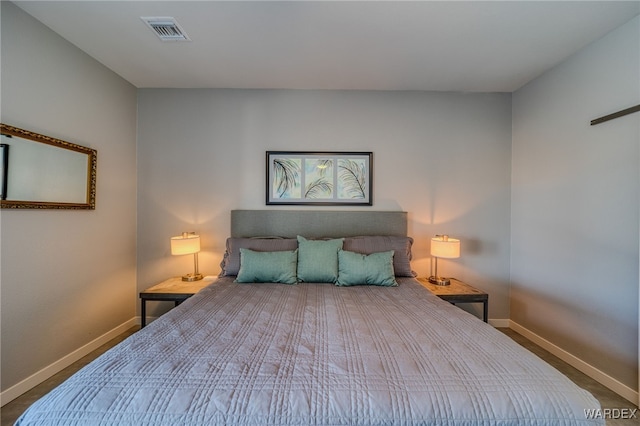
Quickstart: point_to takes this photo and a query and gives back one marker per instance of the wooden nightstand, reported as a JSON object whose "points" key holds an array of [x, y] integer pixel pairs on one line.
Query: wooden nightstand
{"points": [[459, 292], [172, 290]]}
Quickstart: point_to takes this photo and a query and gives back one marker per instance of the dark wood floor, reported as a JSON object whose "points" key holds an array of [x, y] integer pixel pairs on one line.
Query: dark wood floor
{"points": [[607, 398]]}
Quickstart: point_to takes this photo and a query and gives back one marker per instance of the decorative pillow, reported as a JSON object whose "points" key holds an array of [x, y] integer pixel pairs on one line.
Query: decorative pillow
{"points": [[267, 267], [371, 269], [318, 260], [375, 244], [231, 261]]}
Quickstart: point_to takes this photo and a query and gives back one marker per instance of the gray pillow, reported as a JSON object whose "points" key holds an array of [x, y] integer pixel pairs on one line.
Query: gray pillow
{"points": [[401, 247], [231, 261]]}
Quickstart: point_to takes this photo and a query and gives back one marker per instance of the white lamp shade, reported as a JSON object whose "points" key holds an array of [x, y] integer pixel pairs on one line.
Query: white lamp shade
{"points": [[185, 244], [442, 246]]}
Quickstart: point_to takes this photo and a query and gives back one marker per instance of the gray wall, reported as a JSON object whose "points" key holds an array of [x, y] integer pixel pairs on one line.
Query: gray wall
{"points": [[567, 215], [575, 190], [67, 276], [443, 157]]}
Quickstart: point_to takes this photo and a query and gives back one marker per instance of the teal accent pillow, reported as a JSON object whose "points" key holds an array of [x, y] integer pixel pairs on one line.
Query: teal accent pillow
{"points": [[267, 267], [318, 260], [371, 269]]}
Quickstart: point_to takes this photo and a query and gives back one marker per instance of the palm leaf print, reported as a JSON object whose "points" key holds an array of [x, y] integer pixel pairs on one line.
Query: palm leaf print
{"points": [[286, 175], [323, 166], [353, 176], [319, 178], [318, 188]]}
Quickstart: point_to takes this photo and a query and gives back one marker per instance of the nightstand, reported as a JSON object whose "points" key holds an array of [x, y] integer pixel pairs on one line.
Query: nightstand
{"points": [[459, 292], [172, 290]]}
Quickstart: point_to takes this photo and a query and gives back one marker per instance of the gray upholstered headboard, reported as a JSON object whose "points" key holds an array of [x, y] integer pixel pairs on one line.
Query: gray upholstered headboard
{"points": [[316, 223]]}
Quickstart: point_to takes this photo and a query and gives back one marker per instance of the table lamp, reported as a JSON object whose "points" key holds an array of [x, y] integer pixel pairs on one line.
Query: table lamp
{"points": [[188, 243], [446, 248]]}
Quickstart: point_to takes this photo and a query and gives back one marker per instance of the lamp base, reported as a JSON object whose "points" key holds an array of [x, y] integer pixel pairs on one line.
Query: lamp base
{"points": [[439, 280], [192, 277]]}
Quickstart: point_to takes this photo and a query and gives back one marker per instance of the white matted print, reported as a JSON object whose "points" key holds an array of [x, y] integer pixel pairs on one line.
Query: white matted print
{"points": [[325, 178]]}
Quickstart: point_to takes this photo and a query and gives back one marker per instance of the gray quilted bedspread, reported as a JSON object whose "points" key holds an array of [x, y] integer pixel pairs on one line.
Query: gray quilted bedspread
{"points": [[315, 354]]}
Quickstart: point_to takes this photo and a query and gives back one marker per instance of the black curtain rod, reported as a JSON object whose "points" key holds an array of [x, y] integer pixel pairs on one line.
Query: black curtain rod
{"points": [[616, 115]]}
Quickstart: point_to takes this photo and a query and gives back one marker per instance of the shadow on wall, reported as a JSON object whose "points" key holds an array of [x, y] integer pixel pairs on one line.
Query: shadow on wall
{"points": [[570, 327]]}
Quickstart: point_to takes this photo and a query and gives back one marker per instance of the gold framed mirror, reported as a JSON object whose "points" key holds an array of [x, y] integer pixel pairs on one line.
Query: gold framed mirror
{"points": [[41, 172]]}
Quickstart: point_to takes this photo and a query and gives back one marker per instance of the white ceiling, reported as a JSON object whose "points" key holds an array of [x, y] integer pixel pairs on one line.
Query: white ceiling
{"points": [[393, 45]]}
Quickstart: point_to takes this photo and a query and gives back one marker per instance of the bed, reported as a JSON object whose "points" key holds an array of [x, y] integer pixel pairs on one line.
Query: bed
{"points": [[316, 353]]}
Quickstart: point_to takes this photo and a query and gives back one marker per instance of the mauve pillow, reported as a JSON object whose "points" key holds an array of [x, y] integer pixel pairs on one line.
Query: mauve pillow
{"points": [[231, 261], [375, 244]]}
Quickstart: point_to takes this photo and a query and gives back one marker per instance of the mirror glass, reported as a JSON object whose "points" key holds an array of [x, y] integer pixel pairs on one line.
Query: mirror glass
{"points": [[43, 172]]}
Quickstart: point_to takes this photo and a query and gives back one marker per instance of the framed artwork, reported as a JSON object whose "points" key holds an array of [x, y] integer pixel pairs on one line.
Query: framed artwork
{"points": [[319, 178], [4, 170]]}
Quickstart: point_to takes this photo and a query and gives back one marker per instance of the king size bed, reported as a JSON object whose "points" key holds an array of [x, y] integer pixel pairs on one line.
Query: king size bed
{"points": [[352, 338]]}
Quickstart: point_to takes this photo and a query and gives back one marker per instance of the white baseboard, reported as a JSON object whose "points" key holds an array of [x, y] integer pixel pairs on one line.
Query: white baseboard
{"points": [[149, 320], [499, 322], [604, 379], [35, 379]]}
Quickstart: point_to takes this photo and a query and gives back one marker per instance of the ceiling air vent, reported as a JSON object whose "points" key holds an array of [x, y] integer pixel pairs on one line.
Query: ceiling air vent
{"points": [[166, 28]]}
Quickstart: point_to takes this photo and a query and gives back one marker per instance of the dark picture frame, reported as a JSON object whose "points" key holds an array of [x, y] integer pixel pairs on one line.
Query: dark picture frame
{"points": [[319, 178], [4, 170]]}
